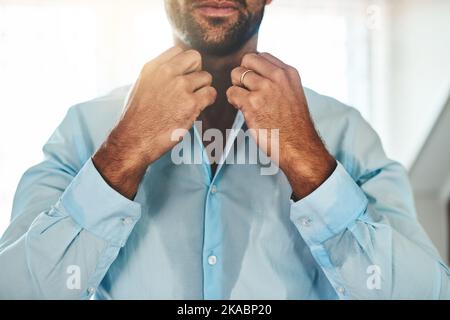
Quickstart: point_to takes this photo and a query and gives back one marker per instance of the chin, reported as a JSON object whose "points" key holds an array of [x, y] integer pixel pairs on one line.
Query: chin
{"points": [[214, 40], [215, 36], [217, 44]]}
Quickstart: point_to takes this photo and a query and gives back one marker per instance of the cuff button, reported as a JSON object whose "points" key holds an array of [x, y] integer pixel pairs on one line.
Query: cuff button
{"points": [[305, 222]]}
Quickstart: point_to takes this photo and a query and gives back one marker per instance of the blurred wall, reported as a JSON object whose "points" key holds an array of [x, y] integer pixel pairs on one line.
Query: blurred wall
{"points": [[433, 216], [419, 58], [419, 75]]}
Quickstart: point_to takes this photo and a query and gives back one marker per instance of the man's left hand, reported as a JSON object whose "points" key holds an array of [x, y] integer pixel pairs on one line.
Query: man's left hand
{"points": [[272, 97]]}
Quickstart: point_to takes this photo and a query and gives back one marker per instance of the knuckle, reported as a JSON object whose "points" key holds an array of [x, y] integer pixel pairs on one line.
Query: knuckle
{"points": [[265, 55], [248, 58], [279, 74], [212, 92], [293, 71], [266, 85], [208, 98], [194, 55], [234, 73], [166, 69], [181, 82], [208, 77], [230, 92], [147, 66]]}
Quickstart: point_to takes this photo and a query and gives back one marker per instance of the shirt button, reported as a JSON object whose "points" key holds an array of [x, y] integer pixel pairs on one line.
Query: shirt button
{"points": [[213, 189], [127, 221], [306, 222], [212, 260], [341, 290], [91, 290]]}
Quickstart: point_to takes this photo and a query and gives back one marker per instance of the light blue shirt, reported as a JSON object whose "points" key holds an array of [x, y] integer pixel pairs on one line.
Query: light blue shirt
{"points": [[237, 235]]}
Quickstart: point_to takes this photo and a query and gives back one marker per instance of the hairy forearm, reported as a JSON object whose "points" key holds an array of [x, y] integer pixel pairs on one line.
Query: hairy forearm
{"points": [[120, 165], [308, 167]]}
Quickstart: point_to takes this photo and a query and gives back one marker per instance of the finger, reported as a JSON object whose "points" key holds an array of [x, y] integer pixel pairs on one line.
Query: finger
{"points": [[251, 80], [237, 96], [185, 63], [168, 54], [198, 80], [206, 96], [274, 60], [259, 64]]}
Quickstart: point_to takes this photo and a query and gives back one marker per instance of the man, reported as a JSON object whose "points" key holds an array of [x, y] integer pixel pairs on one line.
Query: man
{"points": [[110, 213]]}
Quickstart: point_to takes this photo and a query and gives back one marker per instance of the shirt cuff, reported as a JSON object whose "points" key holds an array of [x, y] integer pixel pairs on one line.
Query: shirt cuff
{"points": [[330, 209], [96, 207]]}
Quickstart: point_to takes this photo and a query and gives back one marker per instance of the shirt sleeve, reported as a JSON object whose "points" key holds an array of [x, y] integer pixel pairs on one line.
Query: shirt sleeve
{"points": [[68, 224], [362, 230], [330, 210], [99, 209]]}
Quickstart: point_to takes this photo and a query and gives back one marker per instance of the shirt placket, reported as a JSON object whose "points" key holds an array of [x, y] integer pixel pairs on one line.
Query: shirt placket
{"points": [[212, 257]]}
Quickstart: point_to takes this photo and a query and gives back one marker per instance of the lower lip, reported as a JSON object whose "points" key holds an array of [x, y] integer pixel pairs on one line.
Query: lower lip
{"points": [[217, 12]]}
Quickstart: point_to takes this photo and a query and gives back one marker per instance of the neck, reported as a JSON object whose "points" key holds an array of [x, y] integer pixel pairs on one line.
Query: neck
{"points": [[220, 65], [221, 115]]}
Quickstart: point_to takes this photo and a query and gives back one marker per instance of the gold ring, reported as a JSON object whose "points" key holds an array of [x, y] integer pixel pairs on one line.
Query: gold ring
{"points": [[243, 77]]}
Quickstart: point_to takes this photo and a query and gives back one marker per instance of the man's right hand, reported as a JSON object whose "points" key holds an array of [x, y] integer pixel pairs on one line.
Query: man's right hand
{"points": [[170, 94]]}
